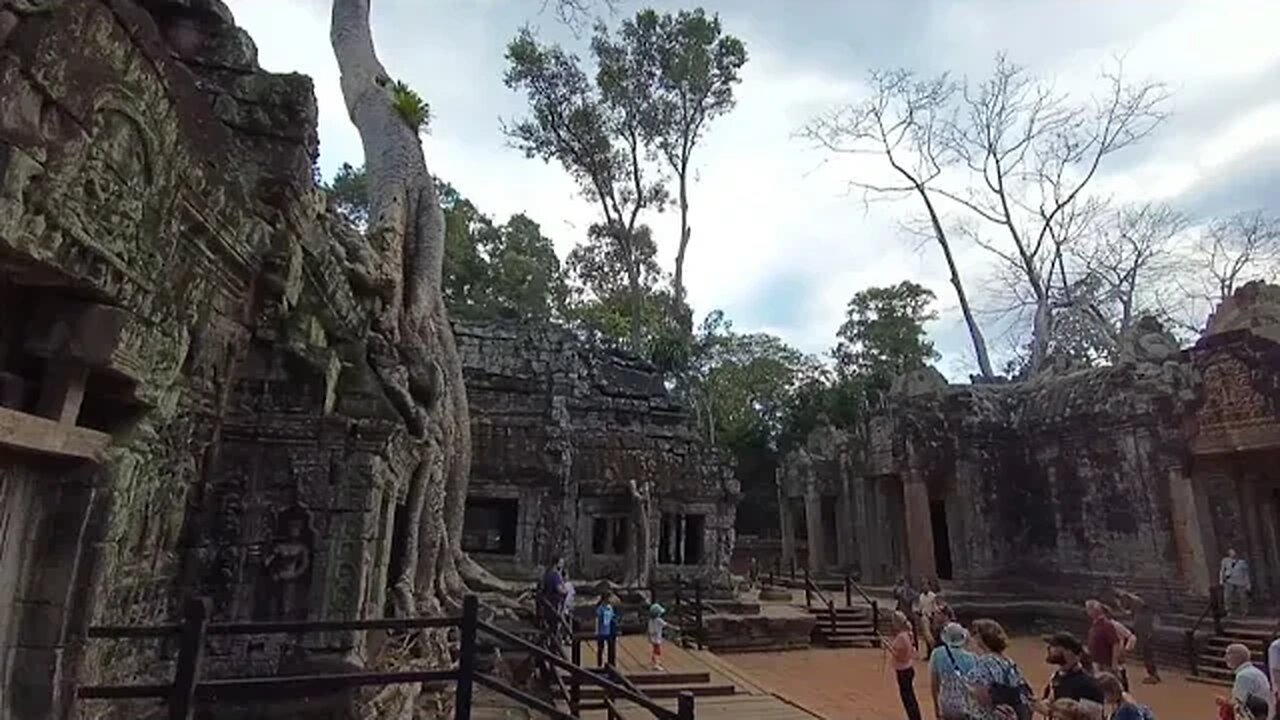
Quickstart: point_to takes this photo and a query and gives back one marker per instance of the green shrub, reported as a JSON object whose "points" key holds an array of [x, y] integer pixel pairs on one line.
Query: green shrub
{"points": [[410, 106]]}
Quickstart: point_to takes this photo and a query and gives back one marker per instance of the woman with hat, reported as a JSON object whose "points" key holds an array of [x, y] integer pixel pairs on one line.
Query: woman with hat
{"points": [[949, 663]]}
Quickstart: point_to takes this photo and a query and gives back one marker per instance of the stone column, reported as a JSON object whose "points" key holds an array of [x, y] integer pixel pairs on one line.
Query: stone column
{"points": [[915, 500], [1193, 563], [1250, 505], [813, 526], [785, 524], [845, 552], [864, 538]]}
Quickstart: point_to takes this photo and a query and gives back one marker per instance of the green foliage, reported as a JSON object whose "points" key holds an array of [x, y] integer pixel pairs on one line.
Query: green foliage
{"points": [[490, 270], [883, 335], [350, 195], [410, 106], [687, 70]]}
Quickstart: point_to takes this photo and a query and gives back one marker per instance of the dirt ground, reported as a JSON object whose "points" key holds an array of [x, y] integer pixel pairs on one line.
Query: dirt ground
{"points": [[857, 684]]}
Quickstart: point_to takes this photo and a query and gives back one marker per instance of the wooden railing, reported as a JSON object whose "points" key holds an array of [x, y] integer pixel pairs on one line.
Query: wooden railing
{"points": [[1214, 608], [810, 590], [188, 689]]}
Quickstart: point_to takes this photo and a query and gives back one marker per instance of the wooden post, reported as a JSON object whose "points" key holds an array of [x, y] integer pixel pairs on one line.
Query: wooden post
{"points": [[182, 703], [848, 591], [793, 569], [808, 594], [684, 706], [575, 685], [697, 609], [466, 657]]}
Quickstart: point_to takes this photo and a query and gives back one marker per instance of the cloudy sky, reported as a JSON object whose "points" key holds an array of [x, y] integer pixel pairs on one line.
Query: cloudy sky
{"points": [[778, 243]]}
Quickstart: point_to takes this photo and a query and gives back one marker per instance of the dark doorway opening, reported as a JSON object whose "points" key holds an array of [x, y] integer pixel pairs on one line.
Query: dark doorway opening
{"points": [[941, 539], [681, 539], [489, 525]]}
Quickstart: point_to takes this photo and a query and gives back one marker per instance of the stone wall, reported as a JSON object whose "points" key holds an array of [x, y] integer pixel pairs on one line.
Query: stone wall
{"points": [[186, 401], [185, 406], [562, 426]]}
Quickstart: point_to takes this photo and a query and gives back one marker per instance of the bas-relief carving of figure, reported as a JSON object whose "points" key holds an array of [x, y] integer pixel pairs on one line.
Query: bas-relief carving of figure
{"points": [[287, 568], [641, 549], [115, 178]]}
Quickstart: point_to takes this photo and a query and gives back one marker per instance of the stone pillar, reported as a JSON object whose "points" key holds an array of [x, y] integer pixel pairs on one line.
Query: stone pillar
{"points": [[915, 500], [786, 525], [1193, 563], [1250, 504], [845, 552], [863, 537], [813, 526]]}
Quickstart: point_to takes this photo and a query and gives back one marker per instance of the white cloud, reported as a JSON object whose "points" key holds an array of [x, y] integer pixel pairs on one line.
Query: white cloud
{"points": [[777, 241]]}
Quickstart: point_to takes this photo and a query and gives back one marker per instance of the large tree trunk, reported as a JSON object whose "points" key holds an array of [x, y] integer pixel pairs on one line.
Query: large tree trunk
{"points": [[411, 343], [678, 278], [975, 333], [640, 552]]}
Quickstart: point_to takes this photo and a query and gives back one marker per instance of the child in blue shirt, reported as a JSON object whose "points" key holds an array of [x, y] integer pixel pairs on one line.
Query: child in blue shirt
{"points": [[606, 625]]}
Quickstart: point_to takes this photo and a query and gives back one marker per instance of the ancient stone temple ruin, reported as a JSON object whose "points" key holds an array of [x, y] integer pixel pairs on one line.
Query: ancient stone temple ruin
{"points": [[1139, 474], [563, 430], [186, 401]]}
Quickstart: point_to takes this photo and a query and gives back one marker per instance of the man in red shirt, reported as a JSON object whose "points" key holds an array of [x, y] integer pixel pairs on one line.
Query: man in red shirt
{"points": [[1104, 639]]}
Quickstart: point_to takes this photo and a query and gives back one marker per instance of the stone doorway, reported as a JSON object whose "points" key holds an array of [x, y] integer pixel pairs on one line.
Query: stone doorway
{"points": [[490, 526], [941, 540]]}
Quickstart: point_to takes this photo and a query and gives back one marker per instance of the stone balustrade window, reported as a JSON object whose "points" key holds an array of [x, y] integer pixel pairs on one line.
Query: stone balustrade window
{"points": [[681, 541], [609, 535]]}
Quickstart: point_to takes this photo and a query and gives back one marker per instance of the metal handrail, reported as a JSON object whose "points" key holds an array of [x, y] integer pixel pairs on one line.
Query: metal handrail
{"points": [[187, 687], [1190, 636]]}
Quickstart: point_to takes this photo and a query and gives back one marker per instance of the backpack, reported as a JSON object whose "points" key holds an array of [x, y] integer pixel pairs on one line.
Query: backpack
{"points": [[953, 696], [1012, 690]]}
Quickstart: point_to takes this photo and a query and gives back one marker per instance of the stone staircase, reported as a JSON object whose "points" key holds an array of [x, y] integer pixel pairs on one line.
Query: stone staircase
{"points": [[1254, 633], [844, 627]]}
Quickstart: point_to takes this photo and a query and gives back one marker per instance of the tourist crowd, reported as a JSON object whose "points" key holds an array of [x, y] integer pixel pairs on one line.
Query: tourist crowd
{"points": [[972, 678]]}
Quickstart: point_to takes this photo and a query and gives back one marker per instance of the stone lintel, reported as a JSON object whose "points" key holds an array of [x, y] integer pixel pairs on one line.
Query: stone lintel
{"points": [[36, 434], [84, 331]]}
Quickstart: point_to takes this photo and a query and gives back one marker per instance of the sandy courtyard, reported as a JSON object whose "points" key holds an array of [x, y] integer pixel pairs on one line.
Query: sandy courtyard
{"points": [[856, 684]]}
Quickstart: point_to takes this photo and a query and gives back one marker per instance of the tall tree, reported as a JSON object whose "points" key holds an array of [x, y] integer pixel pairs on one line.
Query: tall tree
{"points": [[596, 132], [411, 345], [1032, 156], [1234, 250], [688, 70], [907, 122], [883, 335]]}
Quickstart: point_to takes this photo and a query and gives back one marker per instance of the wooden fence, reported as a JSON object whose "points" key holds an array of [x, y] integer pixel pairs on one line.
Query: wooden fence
{"points": [[188, 689]]}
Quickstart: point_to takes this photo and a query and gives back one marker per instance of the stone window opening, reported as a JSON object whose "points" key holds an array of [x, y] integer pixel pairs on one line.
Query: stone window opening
{"points": [[490, 526], [681, 539], [57, 390], [609, 535]]}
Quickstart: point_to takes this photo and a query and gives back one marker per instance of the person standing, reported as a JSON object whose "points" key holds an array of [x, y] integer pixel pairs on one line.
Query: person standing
{"points": [[551, 595], [997, 685], [656, 629], [1070, 681], [928, 606], [1233, 574], [1128, 640], [1104, 641], [949, 665], [1273, 667], [903, 652], [1144, 621], [606, 626], [1249, 680]]}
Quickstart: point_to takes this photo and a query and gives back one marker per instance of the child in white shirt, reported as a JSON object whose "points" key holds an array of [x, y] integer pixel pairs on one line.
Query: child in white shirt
{"points": [[656, 627]]}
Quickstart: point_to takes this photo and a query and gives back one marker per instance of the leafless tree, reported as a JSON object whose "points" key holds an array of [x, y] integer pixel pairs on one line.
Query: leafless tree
{"points": [[905, 122], [1235, 250], [1033, 154], [1124, 270]]}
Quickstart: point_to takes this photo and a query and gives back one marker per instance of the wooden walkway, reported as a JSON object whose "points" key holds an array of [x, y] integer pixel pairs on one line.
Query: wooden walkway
{"points": [[722, 691]]}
